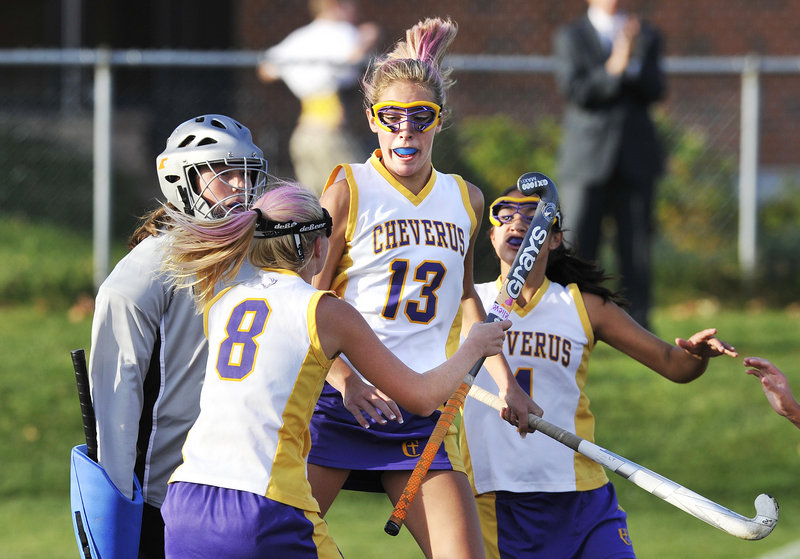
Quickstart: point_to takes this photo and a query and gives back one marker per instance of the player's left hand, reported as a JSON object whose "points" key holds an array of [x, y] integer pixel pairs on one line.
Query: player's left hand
{"points": [[705, 344]]}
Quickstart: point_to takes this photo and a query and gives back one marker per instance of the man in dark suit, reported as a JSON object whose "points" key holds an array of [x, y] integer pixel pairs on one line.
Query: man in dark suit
{"points": [[608, 69]]}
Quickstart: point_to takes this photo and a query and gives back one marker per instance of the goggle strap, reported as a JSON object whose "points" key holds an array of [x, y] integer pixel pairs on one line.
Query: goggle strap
{"points": [[268, 229]]}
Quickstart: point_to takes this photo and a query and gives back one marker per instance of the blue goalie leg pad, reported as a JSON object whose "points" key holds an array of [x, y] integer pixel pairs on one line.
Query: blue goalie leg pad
{"points": [[107, 524]]}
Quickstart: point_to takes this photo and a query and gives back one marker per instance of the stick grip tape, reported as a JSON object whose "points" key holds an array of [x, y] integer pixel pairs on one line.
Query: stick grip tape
{"points": [[425, 460], [85, 398]]}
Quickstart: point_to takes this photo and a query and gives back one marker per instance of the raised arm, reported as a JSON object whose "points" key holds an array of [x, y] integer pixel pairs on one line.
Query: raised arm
{"points": [[518, 403]]}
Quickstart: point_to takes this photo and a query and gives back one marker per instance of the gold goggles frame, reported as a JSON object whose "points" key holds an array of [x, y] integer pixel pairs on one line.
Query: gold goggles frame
{"points": [[511, 201], [417, 126]]}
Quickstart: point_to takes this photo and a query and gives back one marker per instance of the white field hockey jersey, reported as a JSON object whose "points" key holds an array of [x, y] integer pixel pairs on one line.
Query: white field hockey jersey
{"points": [[403, 263], [264, 375], [547, 348]]}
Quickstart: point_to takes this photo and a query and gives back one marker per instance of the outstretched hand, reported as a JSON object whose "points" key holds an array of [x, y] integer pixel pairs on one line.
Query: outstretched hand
{"points": [[705, 344], [776, 388]]}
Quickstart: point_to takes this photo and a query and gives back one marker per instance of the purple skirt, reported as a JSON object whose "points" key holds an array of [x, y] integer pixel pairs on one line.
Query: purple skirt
{"points": [[205, 521], [338, 441]]}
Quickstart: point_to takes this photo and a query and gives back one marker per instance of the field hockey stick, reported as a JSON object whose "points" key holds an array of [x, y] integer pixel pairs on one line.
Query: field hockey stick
{"points": [[708, 511], [85, 397], [107, 523], [528, 184]]}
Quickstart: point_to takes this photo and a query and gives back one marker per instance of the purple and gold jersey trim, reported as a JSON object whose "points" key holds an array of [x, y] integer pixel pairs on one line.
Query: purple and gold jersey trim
{"points": [[415, 199]]}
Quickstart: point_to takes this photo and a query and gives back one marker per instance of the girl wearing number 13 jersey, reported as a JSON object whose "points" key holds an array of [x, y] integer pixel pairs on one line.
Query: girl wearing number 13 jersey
{"points": [[401, 252], [404, 264], [403, 270]]}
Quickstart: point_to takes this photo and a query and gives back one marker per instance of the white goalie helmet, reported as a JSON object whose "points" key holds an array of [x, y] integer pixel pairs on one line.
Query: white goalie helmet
{"points": [[211, 166]]}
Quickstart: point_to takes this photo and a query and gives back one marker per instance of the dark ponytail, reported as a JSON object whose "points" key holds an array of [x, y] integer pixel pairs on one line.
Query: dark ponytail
{"points": [[564, 267]]}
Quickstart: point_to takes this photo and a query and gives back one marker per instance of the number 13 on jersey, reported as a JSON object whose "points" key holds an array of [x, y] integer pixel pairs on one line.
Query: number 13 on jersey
{"points": [[430, 274]]}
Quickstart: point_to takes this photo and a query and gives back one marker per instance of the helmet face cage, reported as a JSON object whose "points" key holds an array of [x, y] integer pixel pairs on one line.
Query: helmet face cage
{"points": [[220, 148], [224, 185]]}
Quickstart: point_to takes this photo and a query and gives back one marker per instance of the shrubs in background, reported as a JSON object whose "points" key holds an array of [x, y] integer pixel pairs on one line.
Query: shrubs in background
{"points": [[47, 256]]}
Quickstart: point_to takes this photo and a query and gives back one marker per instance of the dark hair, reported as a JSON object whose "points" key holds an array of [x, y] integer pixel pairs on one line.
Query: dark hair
{"points": [[149, 225], [565, 267]]}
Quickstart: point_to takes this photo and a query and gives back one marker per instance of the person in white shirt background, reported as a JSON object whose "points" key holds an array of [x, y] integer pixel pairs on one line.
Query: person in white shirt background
{"points": [[321, 63]]}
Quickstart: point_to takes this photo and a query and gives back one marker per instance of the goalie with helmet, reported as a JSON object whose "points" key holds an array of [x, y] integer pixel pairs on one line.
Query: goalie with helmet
{"points": [[148, 349]]}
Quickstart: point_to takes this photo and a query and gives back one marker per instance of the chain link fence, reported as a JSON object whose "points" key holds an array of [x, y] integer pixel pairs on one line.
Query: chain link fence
{"points": [[506, 114]]}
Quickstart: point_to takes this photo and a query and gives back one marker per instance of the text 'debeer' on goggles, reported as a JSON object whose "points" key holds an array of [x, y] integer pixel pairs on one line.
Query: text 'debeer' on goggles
{"points": [[504, 209], [422, 115]]}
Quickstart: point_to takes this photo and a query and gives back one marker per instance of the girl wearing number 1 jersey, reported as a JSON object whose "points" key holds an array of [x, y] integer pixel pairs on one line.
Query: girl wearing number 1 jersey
{"points": [[538, 499], [401, 253], [241, 491]]}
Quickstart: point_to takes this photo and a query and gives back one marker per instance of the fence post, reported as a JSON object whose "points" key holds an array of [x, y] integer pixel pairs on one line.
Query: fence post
{"points": [[748, 167], [71, 39], [102, 164]]}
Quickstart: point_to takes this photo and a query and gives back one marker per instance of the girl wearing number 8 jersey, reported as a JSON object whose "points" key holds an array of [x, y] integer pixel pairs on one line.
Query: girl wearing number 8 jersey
{"points": [[401, 253], [241, 490]]}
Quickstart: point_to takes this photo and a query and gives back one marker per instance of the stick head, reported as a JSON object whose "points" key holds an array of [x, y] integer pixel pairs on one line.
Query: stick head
{"points": [[766, 517], [756, 528], [539, 184]]}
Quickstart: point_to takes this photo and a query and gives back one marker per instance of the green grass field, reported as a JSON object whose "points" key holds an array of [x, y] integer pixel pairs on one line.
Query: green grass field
{"points": [[716, 436]]}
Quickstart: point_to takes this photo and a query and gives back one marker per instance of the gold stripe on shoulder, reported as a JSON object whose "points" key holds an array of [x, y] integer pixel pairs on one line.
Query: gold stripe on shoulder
{"points": [[333, 175], [462, 185], [352, 212], [313, 331], [584, 315]]}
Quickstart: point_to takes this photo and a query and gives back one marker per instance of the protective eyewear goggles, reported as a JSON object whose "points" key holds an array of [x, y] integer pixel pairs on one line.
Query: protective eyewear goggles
{"points": [[422, 115], [504, 209]]}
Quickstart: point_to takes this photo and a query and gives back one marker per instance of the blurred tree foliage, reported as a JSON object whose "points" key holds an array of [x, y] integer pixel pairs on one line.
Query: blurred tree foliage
{"points": [[695, 214], [779, 245], [499, 149], [48, 194]]}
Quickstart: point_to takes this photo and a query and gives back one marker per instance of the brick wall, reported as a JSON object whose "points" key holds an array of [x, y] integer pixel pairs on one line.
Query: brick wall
{"points": [[690, 28]]}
